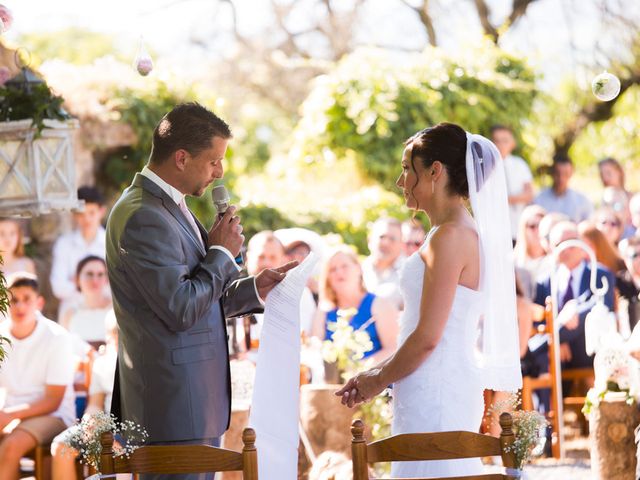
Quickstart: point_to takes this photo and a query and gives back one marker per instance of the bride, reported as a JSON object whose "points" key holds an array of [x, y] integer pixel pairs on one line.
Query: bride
{"points": [[458, 333]]}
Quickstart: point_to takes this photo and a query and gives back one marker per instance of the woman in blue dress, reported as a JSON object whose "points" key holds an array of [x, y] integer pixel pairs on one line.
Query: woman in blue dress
{"points": [[342, 292]]}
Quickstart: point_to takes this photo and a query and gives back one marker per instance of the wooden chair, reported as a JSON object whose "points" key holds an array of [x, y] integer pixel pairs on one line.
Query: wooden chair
{"points": [[41, 456], [432, 446], [553, 381], [174, 459]]}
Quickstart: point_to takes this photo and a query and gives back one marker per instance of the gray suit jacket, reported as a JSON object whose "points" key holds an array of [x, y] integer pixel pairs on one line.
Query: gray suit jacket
{"points": [[168, 295]]}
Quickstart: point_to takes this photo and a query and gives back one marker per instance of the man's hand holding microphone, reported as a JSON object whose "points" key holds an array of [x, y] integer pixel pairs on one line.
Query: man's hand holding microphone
{"points": [[227, 232]]}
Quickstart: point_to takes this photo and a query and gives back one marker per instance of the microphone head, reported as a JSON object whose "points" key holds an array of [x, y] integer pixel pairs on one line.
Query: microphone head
{"points": [[220, 198]]}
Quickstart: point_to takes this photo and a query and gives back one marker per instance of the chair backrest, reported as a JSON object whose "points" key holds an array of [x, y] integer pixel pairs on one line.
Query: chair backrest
{"points": [[432, 446], [175, 459]]}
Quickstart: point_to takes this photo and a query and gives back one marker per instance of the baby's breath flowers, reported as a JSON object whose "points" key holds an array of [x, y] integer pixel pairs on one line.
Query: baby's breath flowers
{"points": [[528, 426], [84, 437]]}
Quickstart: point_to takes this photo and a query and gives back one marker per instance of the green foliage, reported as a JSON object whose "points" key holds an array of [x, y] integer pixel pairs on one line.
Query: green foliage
{"points": [[73, 45], [618, 137], [38, 104], [372, 102], [256, 218], [141, 111], [4, 307]]}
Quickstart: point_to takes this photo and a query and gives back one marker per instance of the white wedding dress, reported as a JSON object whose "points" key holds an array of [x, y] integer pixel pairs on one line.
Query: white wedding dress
{"points": [[445, 392]]}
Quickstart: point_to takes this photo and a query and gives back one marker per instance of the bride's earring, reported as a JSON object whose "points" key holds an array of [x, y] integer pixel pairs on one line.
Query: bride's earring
{"points": [[433, 186]]}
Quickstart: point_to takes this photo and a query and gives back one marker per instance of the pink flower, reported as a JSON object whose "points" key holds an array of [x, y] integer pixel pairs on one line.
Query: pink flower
{"points": [[144, 65], [5, 74], [6, 18]]}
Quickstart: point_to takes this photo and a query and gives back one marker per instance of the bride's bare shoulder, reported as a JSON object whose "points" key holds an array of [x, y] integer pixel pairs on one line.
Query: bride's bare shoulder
{"points": [[452, 239]]}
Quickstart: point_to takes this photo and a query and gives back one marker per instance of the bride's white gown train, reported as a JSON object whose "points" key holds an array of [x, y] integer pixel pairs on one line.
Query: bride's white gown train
{"points": [[445, 393]]}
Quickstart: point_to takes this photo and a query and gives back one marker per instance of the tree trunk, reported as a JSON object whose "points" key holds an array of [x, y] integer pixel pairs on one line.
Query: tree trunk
{"points": [[613, 449]]}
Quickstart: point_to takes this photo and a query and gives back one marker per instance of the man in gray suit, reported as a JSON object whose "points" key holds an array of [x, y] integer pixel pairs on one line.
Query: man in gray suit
{"points": [[173, 283]]}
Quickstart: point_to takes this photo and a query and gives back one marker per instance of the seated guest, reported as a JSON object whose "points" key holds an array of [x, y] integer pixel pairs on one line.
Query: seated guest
{"points": [[84, 318], [100, 391], [413, 236], [634, 212], [529, 255], [264, 251], [545, 264], [610, 224], [629, 282], [573, 280], [528, 250], [87, 239], [381, 269], [559, 197], [12, 249], [342, 288], [37, 376], [611, 173], [618, 200], [547, 223], [606, 254]]}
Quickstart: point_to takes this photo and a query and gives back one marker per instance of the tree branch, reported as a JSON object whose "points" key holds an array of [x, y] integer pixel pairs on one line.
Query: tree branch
{"points": [[518, 10], [483, 14], [595, 111], [425, 19]]}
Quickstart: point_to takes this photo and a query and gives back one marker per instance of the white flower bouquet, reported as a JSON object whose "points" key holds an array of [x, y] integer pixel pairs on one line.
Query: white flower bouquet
{"points": [[529, 428], [616, 373], [85, 437]]}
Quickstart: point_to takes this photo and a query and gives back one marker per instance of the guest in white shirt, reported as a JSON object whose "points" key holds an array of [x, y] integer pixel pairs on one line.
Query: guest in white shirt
{"points": [[87, 239], [37, 376], [85, 317], [559, 197], [100, 392], [519, 178]]}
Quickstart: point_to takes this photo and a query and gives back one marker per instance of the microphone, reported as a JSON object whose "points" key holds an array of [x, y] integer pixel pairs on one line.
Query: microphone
{"points": [[221, 201]]}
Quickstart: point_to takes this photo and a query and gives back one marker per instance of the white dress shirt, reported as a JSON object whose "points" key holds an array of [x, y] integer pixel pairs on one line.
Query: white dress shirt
{"points": [[177, 196], [576, 279]]}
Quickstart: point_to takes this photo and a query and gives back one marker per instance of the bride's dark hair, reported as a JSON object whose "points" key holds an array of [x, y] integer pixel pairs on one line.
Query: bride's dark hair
{"points": [[447, 144]]}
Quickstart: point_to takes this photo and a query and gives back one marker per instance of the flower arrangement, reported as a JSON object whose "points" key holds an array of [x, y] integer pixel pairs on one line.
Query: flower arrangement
{"points": [[347, 347], [616, 373], [85, 437], [529, 428], [346, 350]]}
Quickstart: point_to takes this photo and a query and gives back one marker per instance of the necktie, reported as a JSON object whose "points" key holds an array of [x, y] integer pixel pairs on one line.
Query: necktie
{"points": [[568, 294], [185, 211]]}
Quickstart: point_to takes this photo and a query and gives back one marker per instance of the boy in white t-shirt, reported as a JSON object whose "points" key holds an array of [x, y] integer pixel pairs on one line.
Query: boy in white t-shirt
{"points": [[100, 391], [37, 376], [519, 178]]}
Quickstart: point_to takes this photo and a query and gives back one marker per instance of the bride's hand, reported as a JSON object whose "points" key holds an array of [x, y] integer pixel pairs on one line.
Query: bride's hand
{"points": [[369, 384], [361, 388], [349, 393]]}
